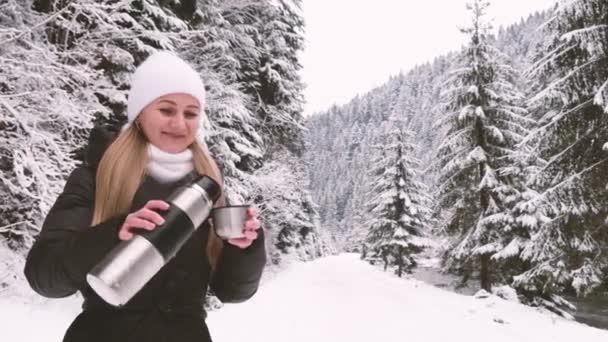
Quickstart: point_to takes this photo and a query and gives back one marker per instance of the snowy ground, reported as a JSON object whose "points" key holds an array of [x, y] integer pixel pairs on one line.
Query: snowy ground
{"points": [[339, 298]]}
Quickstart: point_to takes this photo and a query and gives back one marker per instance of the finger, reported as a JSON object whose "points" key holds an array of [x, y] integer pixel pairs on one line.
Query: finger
{"points": [[252, 225], [157, 204], [125, 235], [252, 211], [251, 235], [136, 222], [150, 215], [241, 243]]}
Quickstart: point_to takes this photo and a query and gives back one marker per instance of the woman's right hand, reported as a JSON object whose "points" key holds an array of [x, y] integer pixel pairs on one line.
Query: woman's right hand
{"points": [[144, 218]]}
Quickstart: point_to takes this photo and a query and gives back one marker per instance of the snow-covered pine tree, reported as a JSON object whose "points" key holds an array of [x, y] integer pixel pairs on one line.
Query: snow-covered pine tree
{"points": [[281, 87], [290, 217], [410, 238], [112, 37], [45, 108], [273, 79], [353, 218], [482, 125], [215, 48], [520, 218], [355, 228], [379, 230], [519, 41], [225, 46], [568, 252], [397, 207]]}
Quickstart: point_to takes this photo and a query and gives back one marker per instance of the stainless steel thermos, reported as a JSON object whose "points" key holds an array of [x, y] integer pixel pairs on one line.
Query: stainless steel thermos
{"points": [[132, 263]]}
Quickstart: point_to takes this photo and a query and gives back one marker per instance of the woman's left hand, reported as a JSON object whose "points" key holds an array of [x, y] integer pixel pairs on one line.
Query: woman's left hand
{"points": [[252, 224]]}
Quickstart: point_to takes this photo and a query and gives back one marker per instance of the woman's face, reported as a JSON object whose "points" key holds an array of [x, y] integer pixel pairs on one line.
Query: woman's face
{"points": [[171, 122]]}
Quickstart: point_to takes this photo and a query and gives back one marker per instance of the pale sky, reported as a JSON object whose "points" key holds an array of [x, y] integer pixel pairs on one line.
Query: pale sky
{"points": [[353, 46]]}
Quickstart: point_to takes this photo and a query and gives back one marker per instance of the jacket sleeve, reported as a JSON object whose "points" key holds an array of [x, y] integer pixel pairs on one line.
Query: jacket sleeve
{"points": [[238, 271], [67, 246]]}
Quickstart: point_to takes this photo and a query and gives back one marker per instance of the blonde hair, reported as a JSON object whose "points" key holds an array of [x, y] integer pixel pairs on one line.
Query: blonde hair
{"points": [[122, 170]]}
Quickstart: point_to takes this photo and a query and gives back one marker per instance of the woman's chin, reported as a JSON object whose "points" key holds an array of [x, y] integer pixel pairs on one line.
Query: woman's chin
{"points": [[173, 147], [172, 144]]}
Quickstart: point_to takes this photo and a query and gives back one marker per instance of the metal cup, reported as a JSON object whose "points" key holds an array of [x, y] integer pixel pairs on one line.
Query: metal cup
{"points": [[229, 221]]}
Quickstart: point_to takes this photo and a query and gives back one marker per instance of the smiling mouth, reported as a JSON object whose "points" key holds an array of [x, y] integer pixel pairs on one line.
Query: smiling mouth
{"points": [[175, 136]]}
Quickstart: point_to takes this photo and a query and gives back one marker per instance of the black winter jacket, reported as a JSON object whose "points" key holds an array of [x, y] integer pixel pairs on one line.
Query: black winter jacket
{"points": [[170, 306]]}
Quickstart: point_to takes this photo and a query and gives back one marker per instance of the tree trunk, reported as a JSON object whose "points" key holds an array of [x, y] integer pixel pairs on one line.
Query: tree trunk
{"points": [[484, 273], [385, 257], [400, 263], [484, 199]]}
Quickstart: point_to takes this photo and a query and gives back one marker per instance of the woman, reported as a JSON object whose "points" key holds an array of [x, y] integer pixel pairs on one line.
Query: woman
{"points": [[109, 199]]}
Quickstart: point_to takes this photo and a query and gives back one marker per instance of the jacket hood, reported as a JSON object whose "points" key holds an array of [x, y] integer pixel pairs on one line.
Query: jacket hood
{"points": [[100, 139]]}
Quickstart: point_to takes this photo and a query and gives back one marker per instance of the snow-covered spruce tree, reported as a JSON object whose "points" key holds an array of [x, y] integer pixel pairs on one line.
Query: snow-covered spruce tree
{"points": [[112, 37], [273, 79], [379, 231], [353, 222], [520, 40], [482, 124], [215, 47], [281, 87], [321, 170], [224, 46], [521, 217], [45, 108], [397, 207], [569, 252], [290, 218]]}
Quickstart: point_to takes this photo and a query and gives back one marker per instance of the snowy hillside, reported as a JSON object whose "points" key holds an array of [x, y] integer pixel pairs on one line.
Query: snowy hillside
{"points": [[342, 298]]}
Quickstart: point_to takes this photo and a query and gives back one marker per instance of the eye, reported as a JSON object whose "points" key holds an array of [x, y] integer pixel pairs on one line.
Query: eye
{"points": [[191, 115], [166, 111]]}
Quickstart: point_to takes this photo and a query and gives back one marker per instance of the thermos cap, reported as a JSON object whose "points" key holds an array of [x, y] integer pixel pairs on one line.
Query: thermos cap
{"points": [[210, 186]]}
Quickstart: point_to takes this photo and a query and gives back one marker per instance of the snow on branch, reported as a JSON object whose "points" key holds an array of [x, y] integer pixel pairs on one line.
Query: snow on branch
{"points": [[568, 181], [601, 97], [545, 92]]}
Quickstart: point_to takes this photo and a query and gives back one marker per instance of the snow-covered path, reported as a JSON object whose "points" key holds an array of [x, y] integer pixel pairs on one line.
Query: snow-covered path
{"points": [[341, 298], [334, 299]]}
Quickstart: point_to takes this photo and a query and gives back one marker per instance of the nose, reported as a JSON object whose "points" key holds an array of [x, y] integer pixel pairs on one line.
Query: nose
{"points": [[178, 122]]}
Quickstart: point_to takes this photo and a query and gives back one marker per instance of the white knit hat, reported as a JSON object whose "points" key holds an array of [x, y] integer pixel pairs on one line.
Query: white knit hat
{"points": [[161, 74]]}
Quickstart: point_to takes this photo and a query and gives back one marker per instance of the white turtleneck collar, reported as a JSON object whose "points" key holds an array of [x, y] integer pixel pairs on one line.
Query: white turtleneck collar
{"points": [[168, 167]]}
